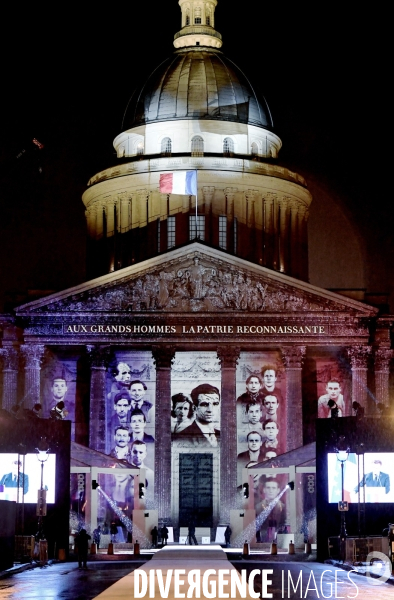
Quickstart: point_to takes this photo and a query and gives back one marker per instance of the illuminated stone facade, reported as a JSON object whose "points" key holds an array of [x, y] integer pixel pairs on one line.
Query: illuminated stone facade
{"points": [[172, 310], [197, 316]]}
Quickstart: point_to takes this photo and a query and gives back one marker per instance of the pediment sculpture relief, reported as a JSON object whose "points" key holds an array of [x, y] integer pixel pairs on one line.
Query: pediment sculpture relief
{"points": [[197, 286]]}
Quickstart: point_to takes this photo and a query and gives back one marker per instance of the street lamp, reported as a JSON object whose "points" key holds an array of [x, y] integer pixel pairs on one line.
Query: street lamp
{"points": [[342, 452], [42, 452]]}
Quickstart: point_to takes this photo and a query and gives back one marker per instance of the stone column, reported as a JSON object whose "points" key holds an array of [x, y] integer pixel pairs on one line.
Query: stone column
{"points": [[303, 239], [116, 215], [358, 357], [110, 217], [142, 198], [294, 248], [275, 213], [250, 196], [230, 195], [283, 235], [33, 355], [124, 213], [99, 357], [207, 194], [10, 376], [253, 251], [142, 234], [117, 243], [134, 211], [269, 236], [99, 221], [292, 358], [382, 359], [228, 357], [163, 356], [91, 220]]}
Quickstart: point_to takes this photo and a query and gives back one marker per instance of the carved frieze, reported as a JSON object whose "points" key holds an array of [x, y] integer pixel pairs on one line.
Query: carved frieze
{"points": [[348, 329], [45, 329], [195, 283]]}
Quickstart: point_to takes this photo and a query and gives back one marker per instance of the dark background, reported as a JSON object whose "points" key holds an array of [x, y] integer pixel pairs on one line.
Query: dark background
{"points": [[67, 76]]}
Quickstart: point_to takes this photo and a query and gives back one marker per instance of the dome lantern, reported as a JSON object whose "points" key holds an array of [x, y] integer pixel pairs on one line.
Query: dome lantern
{"points": [[198, 20]]}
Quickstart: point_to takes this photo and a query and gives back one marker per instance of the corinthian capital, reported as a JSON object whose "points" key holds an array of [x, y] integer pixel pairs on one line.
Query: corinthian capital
{"points": [[382, 359], [10, 358], [294, 205], [359, 356], [163, 356], [208, 191], [143, 194], [269, 198], [293, 356], [91, 210], [303, 212], [228, 356], [99, 356], [283, 202], [251, 195], [230, 192], [33, 355]]}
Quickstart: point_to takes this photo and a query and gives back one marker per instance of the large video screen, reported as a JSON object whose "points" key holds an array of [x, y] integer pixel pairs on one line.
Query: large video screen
{"points": [[26, 486], [368, 477]]}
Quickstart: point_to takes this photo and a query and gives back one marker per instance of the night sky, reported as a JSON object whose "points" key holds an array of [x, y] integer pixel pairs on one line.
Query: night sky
{"points": [[67, 76]]}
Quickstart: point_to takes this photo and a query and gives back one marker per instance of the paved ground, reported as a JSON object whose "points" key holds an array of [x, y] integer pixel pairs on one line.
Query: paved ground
{"points": [[63, 581]]}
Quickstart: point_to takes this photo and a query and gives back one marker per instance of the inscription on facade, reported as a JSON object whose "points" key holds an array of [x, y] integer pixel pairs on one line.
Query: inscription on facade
{"points": [[133, 329]]}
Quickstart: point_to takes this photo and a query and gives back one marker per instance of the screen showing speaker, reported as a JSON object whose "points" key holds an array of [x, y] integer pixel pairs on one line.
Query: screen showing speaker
{"points": [[367, 477], [20, 478]]}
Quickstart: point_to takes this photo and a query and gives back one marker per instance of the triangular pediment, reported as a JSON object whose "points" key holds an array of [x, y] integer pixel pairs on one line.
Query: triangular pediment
{"points": [[195, 279]]}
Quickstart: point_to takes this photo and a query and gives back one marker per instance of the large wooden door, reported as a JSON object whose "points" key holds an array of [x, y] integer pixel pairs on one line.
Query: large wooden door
{"points": [[196, 490]]}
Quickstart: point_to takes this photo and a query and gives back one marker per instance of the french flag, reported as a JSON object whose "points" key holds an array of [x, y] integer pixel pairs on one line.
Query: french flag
{"points": [[179, 182]]}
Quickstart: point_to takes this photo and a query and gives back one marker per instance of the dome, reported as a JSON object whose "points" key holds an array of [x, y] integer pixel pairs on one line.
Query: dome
{"points": [[197, 83]]}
